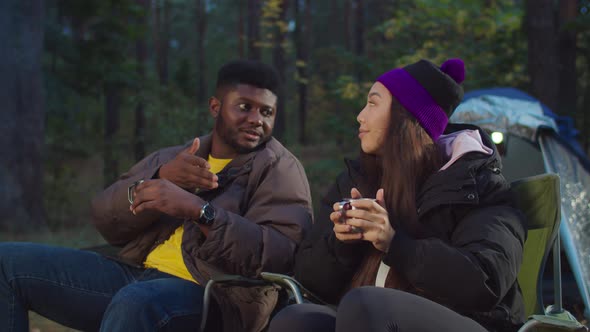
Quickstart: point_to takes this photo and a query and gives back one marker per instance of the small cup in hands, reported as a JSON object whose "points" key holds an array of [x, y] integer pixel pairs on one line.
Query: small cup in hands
{"points": [[345, 205]]}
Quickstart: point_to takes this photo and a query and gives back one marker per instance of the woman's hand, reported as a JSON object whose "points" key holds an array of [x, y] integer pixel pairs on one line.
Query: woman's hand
{"points": [[370, 217], [343, 231]]}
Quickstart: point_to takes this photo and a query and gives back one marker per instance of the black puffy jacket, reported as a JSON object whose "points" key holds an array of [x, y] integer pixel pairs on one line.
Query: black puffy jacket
{"points": [[469, 264]]}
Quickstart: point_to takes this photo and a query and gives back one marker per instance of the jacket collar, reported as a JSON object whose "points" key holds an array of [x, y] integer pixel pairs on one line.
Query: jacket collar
{"points": [[239, 161], [454, 145], [458, 183], [240, 164]]}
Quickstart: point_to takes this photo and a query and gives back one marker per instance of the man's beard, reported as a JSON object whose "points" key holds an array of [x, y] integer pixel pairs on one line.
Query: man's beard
{"points": [[230, 136]]}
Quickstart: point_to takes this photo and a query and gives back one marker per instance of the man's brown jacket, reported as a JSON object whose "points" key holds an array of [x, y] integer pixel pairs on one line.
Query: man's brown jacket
{"points": [[263, 208]]}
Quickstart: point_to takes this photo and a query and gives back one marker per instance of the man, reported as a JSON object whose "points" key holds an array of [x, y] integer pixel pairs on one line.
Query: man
{"points": [[235, 202]]}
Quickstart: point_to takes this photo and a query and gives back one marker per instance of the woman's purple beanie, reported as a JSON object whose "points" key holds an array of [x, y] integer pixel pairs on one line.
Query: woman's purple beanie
{"points": [[430, 93]]}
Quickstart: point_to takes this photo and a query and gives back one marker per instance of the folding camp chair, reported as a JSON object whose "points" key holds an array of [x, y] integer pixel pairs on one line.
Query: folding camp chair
{"points": [[539, 199], [294, 292]]}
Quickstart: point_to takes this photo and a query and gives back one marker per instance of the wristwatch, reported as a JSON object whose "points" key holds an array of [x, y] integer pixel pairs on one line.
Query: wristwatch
{"points": [[207, 215]]}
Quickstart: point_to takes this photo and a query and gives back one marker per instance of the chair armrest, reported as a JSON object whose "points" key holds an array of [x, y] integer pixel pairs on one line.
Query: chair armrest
{"points": [[228, 279], [556, 322], [299, 292], [286, 282]]}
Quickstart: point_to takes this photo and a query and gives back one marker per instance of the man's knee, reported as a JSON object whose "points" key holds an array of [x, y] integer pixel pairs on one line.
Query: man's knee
{"points": [[139, 307], [9, 250], [133, 299], [6, 254], [12, 255]]}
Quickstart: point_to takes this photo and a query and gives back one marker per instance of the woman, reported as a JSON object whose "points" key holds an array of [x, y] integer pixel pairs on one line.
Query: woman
{"points": [[442, 240]]}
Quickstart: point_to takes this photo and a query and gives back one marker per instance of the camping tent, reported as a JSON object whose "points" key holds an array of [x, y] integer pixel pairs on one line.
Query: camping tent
{"points": [[537, 141]]}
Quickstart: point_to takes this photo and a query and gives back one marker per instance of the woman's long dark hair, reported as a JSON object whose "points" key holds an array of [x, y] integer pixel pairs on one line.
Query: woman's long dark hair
{"points": [[408, 158]]}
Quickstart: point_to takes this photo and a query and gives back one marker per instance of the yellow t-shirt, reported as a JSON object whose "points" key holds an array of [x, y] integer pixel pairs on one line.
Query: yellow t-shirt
{"points": [[167, 257]]}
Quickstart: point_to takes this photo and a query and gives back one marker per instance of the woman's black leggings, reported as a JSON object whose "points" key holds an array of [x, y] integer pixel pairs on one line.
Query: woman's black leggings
{"points": [[374, 309]]}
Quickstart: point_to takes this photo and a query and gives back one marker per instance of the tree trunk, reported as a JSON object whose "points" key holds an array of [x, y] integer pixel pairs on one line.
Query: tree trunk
{"points": [[568, 10], [347, 24], [336, 21], [162, 38], [543, 66], [22, 117], [302, 44], [359, 37], [141, 57], [279, 61], [253, 29], [112, 97], [201, 67], [377, 12], [241, 36], [156, 33]]}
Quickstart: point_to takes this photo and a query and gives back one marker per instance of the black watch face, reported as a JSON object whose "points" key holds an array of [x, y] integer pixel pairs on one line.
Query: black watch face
{"points": [[208, 215]]}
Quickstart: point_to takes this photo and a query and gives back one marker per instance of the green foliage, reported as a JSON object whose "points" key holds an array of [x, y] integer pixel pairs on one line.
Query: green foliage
{"points": [[98, 38], [330, 118], [90, 44], [271, 24], [488, 38], [174, 119], [184, 77], [322, 163]]}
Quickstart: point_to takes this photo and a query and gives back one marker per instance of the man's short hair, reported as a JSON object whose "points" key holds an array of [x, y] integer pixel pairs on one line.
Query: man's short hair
{"points": [[248, 72]]}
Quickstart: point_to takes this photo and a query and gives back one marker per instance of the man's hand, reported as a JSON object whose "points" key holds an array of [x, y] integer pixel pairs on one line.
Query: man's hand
{"points": [[165, 197], [189, 171]]}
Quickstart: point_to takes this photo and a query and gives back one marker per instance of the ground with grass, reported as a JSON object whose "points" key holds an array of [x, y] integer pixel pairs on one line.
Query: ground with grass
{"points": [[40, 324]]}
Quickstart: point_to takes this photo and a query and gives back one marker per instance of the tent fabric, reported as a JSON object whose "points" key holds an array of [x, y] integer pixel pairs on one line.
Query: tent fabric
{"points": [[565, 124], [511, 111], [522, 118], [575, 206]]}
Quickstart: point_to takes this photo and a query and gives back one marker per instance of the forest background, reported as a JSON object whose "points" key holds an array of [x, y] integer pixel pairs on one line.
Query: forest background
{"points": [[90, 87]]}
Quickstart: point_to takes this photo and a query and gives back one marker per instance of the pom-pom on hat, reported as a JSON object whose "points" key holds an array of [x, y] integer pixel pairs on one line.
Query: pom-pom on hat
{"points": [[430, 93]]}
